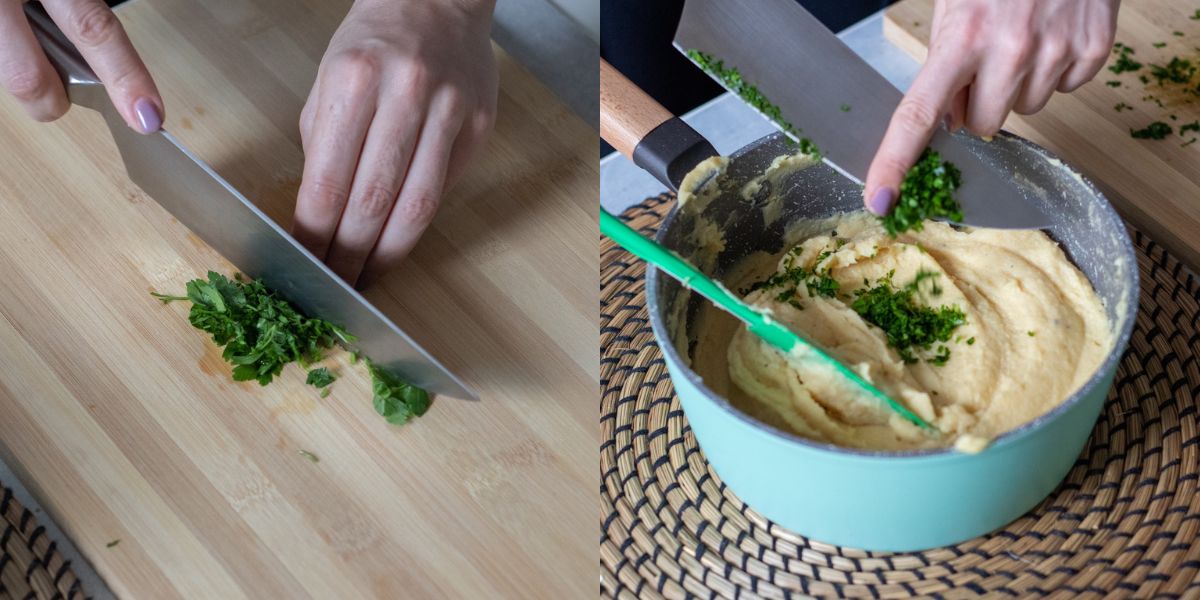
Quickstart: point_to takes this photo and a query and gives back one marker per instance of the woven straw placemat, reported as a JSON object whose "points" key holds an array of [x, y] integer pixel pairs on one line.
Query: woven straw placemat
{"points": [[31, 567], [1124, 523]]}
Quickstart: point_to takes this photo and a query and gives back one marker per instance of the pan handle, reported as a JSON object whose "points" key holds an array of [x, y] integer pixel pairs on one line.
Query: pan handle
{"points": [[641, 129], [81, 83]]}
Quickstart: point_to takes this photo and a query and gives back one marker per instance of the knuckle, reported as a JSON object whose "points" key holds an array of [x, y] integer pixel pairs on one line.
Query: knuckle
{"points": [[28, 85], [417, 208], [359, 68], [324, 194], [95, 24], [916, 116], [983, 126], [375, 201]]}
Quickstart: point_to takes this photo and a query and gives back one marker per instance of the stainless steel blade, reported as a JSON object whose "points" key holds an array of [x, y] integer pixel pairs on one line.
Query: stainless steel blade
{"points": [[204, 202], [811, 75]]}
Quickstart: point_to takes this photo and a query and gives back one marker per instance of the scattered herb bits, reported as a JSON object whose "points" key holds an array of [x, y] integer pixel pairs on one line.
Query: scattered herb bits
{"points": [[732, 78], [1120, 106], [113, 543], [312, 458], [845, 108], [1196, 15], [1114, 84], [1154, 131], [1159, 44], [927, 192], [1125, 61]]}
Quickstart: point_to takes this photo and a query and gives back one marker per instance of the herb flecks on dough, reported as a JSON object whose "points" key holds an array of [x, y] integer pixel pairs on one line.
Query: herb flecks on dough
{"points": [[910, 327]]}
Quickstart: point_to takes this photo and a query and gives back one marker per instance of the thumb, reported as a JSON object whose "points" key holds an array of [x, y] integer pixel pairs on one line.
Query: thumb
{"points": [[917, 116]]}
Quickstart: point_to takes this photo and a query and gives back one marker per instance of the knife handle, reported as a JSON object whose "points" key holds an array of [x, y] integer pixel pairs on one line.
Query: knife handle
{"points": [[78, 78], [645, 132]]}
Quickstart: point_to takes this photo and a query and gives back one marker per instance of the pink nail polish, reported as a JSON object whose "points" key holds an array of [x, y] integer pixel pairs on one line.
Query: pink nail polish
{"points": [[882, 201], [147, 115]]}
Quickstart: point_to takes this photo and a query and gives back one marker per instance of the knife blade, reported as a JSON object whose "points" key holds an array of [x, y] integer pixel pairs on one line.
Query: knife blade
{"points": [[233, 226], [801, 66]]}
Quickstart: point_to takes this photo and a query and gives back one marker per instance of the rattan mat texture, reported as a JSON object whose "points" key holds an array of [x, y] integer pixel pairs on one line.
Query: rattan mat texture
{"points": [[31, 568], [1124, 523]]}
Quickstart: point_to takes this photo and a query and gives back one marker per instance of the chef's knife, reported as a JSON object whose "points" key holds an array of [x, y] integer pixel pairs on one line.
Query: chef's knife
{"points": [[204, 202], [835, 98]]}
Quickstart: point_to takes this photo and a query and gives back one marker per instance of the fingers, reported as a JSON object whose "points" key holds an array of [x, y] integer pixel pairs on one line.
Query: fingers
{"points": [[1090, 58], [420, 194], [993, 93], [341, 114], [1039, 86], [100, 38], [381, 169], [958, 109], [915, 119], [24, 69]]}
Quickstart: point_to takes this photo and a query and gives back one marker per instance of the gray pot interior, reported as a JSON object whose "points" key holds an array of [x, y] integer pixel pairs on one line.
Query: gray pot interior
{"points": [[1084, 224]]}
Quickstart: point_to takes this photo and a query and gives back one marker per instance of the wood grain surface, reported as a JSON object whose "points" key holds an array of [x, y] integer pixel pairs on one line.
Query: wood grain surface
{"points": [[123, 420], [1153, 183]]}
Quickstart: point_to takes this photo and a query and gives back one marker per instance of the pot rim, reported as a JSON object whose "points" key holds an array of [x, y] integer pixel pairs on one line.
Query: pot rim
{"points": [[1124, 331]]}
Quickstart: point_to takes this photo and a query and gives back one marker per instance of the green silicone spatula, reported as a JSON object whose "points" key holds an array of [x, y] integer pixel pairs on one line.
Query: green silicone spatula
{"points": [[759, 324]]}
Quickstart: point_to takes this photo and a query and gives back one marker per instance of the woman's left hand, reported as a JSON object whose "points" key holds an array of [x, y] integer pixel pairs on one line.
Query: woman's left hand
{"points": [[404, 96]]}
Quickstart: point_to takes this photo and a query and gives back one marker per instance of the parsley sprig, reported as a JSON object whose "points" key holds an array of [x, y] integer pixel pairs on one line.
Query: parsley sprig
{"points": [[909, 326], [395, 399], [927, 192]]}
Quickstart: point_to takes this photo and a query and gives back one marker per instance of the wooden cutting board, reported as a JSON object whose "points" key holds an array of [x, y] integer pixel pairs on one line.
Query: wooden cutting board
{"points": [[1153, 183], [123, 420]]}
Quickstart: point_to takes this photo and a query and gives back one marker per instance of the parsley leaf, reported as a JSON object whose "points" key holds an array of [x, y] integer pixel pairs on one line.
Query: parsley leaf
{"points": [[1154, 131], [320, 377], [927, 192], [395, 399]]}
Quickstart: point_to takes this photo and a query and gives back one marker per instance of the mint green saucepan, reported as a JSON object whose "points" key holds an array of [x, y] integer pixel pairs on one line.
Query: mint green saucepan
{"points": [[886, 501]]}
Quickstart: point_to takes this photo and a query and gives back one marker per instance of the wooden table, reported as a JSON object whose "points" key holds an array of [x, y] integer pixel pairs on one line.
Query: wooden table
{"points": [[1153, 183], [123, 420]]}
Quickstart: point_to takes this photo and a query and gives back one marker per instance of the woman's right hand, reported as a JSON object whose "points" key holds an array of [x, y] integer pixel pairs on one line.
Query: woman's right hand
{"points": [[27, 74]]}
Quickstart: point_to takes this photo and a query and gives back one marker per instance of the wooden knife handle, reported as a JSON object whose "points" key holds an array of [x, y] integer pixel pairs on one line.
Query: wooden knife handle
{"points": [[627, 113]]}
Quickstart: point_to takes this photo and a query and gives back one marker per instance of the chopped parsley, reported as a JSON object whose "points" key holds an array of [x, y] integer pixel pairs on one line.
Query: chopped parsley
{"points": [[1031, 333], [1188, 143], [927, 192], [1186, 127], [395, 399], [320, 377], [1159, 44], [313, 458], [1124, 61], [1178, 70], [1196, 15], [816, 281], [1114, 84], [259, 331], [909, 326], [732, 79], [1154, 131], [112, 543], [1120, 106], [1177, 33], [845, 108]]}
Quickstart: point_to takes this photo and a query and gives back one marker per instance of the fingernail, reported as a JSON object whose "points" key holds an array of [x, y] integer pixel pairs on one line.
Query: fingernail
{"points": [[882, 201], [147, 115]]}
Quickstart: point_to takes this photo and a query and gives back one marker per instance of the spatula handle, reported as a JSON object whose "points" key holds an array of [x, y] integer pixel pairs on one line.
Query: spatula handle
{"points": [[641, 129]]}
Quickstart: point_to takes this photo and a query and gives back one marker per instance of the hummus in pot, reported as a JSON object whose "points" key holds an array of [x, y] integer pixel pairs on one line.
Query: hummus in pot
{"points": [[1025, 331]]}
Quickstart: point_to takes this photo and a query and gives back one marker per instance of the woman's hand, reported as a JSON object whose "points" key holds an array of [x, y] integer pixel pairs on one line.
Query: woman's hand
{"points": [[26, 72], [404, 96], [987, 58]]}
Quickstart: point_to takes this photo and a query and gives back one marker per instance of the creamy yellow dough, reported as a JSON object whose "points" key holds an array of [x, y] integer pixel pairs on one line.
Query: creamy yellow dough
{"points": [[1039, 333]]}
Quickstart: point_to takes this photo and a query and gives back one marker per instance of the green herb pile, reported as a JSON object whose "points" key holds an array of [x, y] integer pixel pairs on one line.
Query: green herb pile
{"points": [[1124, 62], [927, 192], [261, 332], [910, 327], [1154, 131], [732, 79], [816, 280]]}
